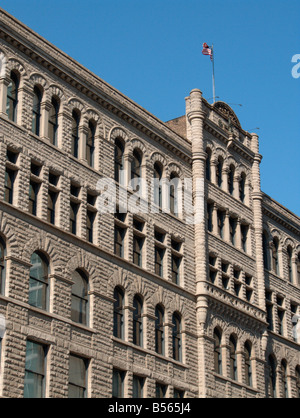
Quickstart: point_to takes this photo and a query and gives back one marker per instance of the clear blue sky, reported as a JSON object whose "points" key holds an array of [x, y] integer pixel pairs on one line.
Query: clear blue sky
{"points": [[150, 50]]}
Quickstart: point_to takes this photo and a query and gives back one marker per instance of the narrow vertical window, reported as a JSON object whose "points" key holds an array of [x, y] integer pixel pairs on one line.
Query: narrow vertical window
{"points": [[265, 251], [159, 256], [138, 243], [75, 133], [51, 206], [79, 305], [176, 337], [12, 97], [159, 329], [119, 160], [137, 321], [119, 241], [10, 176], [210, 207], [38, 281], [217, 351], [73, 217], [290, 263], [298, 382], [232, 229], [275, 259], [174, 194], [221, 221], [90, 144], [231, 179], [157, 184], [284, 379], [244, 236], [119, 313], [242, 185], [90, 220], [35, 370], [208, 164], [272, 377], [219, 169], [233, 359], [161, 390], [138, 386], [77, 387], [2, 265], [118, 384], [136, 169], [53, 121], [33, 197], [248, 364], [36, 110]]}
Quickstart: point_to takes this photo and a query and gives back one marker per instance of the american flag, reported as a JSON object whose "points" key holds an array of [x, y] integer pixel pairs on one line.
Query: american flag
{"points": [[207, 50]]}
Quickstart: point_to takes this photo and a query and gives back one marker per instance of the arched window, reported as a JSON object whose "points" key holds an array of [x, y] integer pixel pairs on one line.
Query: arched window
{"points": [[136, 169], [265, 250], [36, 110], [208, 164], [242, 185], [159, 330], [75, 132], [157, 184], [284, 379], [79, 306], [174, 194], [290, 263], [38, 281], [231, 173], [12, 97], [275, 260], [119, 313], [272, 376], [219, 169], [137, 321], [233, 358], [90, 144], [248, 363], [297, 381], [2, 265], [217, 351], [176, 337], [119, 159], [53, 121]]}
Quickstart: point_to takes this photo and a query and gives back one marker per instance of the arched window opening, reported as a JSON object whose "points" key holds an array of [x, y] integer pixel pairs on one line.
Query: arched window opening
{"points": [[233, 358], [174, 194], [12, 97], [119, 159], [284, 379], [53, 121], [2, 265], [231, 179], [36, 110], [176, 337], [159, 330], [79, 307], [137, 321], [275, 258], [38, 281], [217, 351], [290, 263], [158, 171], [298, 381], [75, 133], [219, 169], [298, 268], [248, 364], [90, 144], [136, 169], [242, 186], [265, 251], [119, 313], [208, 164], [272, 376]]}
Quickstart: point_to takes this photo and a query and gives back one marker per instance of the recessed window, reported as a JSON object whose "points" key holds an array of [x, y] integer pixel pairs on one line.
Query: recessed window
{"points": [[12, 97], [53, 121], [38, 281], [36, 110], [79, 305], [119, 313], [77, 387], [35, 370]]}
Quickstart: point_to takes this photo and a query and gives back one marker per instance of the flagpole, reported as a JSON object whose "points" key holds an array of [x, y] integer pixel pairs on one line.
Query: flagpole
{"points": [[213, 72]]}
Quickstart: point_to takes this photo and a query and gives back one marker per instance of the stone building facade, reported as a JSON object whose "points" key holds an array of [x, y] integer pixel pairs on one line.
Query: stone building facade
{"points": [[199, 299]]}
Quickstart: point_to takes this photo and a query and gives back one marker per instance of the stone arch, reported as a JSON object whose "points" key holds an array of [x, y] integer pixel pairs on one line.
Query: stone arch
{"points": [[275, 233], [139, 288], [38, 80], [81, 262], [3, 64], [74, 103], [160, 298], [92, 115], [55, 91], [136, 143], [178, 305], [15, 65], [288, 242], [220, 153], [118, 278], [117, 132], [174, 168], [9, 236], [231, 161]]}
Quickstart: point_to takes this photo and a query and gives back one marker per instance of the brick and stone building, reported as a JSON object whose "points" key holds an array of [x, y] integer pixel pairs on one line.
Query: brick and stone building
{"points": [[166, 302]]}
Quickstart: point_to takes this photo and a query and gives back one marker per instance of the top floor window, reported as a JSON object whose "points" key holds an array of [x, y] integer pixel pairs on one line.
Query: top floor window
{"points": [[219, 170], [208, 164], [242, 185], [290, 263], [136, 169], [2, 265], [75, 133], [53, 121], [231, 179], [157, 185], [275, 258], [90, 144], [119, 159], [12, 97], [36, 110]]}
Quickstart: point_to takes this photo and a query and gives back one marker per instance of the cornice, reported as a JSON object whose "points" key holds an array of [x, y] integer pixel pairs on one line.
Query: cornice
{"points": [[71, 72], [278, 216]]}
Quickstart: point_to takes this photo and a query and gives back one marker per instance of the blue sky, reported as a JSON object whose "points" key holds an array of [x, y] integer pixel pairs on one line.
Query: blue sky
{"points": [[150, 50]]}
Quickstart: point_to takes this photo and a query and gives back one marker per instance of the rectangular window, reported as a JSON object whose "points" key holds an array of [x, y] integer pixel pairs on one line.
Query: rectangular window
{"points": [[77, 377], [73, 217], [232, 228], [244, 234], [52, 198], [210, 207], [179, 394], [176, 262], [118, 384], [138, 243], [159, 257], [119, 240], [33, 197], [161, 390], [138, 386], [221, 217], [9, 185], [35, 370], [91, 215]]}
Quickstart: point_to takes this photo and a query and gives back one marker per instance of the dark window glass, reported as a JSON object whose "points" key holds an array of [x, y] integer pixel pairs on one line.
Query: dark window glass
{"points": [[137, 321], [53, 121], [136, 168], [272, 377], [118, 384], [33, 196], [174, 188], [90, 225], [159, 330], [75, 133], [233, 358], [2, 265], [36, 110], [275, 260], [217, 352], [231, 179], [79, 306], [52, 198], [159, 256], [176, 337], [138, 386], [119, 160], [248, 365], [90, 144], [221, 219], [77, 377], [35, 370], [161, 390], [157, 185], [119, 313], [219, 169], [208, 164], [176, 262], [12, 97], [38, 281], [119, 241], [73, 217], [242, 187], [137, 250], [10, 176]]}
